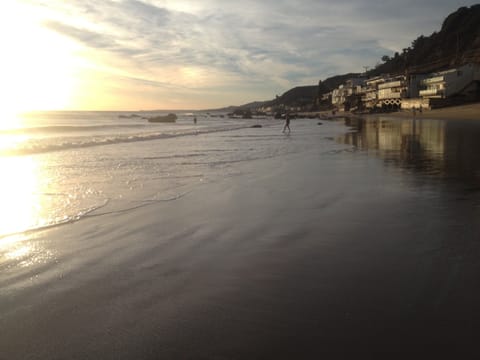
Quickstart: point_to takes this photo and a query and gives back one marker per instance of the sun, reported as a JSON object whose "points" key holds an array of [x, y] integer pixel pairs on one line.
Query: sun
{"points": [[37, 66]]}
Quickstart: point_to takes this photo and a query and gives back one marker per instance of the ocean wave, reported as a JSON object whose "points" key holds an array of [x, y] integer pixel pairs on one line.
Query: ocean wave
{"points": [[63, 221], [141, 204], [93, 212], [43, 145], [59, 129]]}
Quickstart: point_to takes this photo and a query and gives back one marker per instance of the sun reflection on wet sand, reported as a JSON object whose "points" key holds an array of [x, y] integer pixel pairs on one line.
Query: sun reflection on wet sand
{"points": [[19, 250], [20, 206], [21, 209]]}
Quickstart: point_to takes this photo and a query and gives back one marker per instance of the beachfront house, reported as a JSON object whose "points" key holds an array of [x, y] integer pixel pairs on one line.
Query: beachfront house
{"points": [[461, 81], [392, 91], [338, 97], [345, 96], [413, 99], [370, 92]]}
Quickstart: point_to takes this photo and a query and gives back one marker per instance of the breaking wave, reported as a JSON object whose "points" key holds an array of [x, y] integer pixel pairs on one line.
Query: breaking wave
{"points": [[49, 144]]}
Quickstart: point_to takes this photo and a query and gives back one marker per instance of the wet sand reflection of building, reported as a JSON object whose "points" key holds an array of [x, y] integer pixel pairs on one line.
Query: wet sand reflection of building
{"points": [[435, 147]]}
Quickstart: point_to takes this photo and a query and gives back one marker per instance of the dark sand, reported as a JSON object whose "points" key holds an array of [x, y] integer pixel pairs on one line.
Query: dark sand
{"points": [[356, 253]]}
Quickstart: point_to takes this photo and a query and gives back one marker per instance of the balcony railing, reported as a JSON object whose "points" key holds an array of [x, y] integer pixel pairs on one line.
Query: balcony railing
{"points": [[432, 80], [370, 96], [431, 92], [390, 95], [391, 84]]}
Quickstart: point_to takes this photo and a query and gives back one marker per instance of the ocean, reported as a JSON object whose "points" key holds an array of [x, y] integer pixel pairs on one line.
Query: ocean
{"points": [[123, 239], [59, 167]]}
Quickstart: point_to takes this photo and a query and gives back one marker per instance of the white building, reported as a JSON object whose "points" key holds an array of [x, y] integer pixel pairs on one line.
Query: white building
{"points": [[392, 90], [443, 84], [344, 92], [370, 91]]}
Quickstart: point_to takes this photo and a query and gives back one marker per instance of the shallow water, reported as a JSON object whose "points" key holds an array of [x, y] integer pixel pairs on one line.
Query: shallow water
{"points": [[59, 166], [70, 177]]}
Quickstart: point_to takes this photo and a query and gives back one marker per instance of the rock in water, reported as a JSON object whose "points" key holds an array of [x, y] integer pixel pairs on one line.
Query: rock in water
{"points": [[163, 118]]}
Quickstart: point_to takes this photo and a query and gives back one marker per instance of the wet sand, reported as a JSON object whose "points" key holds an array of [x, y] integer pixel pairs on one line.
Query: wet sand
{"points": [[329, 253]]}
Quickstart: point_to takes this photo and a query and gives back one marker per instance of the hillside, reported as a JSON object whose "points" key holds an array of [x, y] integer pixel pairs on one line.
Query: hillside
{"points": [[305, 95], [457, 43], [302, 95]]}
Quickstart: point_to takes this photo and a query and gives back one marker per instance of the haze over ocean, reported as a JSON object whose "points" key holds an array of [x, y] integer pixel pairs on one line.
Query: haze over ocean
{"points": [[354, 237]]}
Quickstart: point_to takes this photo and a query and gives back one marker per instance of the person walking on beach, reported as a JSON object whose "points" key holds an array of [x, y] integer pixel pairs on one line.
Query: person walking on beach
{"points": [[287, 123], [195, 120]]}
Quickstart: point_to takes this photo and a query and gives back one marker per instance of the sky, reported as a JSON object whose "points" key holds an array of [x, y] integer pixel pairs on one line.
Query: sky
{"points": [[182, 54]]}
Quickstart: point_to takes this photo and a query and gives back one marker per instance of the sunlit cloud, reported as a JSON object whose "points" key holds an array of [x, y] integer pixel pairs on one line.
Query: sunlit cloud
{"points": [[188, 54]]}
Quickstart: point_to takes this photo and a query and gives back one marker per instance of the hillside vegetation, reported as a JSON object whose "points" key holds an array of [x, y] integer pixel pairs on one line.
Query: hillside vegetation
{"points": [[457, 43]]}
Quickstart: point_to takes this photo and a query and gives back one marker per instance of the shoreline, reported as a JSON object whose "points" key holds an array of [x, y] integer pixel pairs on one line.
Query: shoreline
{"points": [[459, 112]]}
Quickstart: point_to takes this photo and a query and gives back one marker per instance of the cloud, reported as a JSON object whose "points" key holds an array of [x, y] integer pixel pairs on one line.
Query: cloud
{"points": [[276, 43], [84, 36]]}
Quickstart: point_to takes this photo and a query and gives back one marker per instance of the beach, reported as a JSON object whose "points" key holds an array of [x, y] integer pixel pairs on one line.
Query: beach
{"points": [[461, 112], [354, 238]]}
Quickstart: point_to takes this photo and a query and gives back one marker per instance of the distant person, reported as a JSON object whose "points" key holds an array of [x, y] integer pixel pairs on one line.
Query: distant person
{"points": [[287, 123], [420, 109], [195, 120], [414, 111]]}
